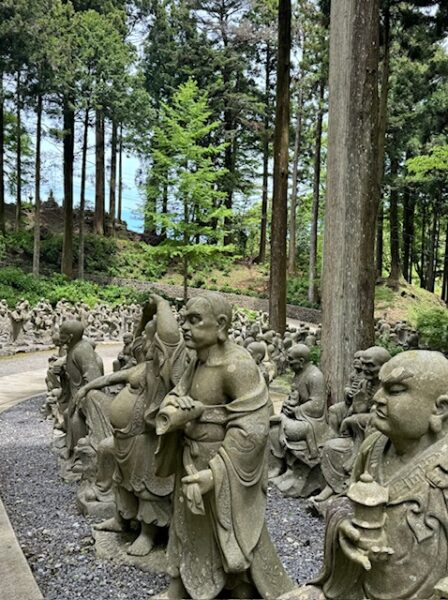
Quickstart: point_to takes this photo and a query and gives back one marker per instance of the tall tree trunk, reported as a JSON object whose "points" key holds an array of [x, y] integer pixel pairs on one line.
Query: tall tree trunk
{"points": [[395, 268], [379, 247], [36, 248], [2, 156], [408, 223], [382, 126], [266, 134], [422, 273], [19, 156], [312, 292], [120, 175], [164, 208], [82, 196], [292, 259], [113, 176], [430, 277], [277, 296], [352, 204], [228, 152], [99, 173], [69, 140], [445, 267]]}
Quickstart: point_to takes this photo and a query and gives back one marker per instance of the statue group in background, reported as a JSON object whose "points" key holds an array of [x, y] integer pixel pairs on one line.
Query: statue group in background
{"points": [[24, 328]]}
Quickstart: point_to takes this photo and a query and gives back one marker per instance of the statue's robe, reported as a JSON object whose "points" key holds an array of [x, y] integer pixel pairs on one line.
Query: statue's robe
{"points": [[135, 445], [230, 542], [83, 365], [416, 529]]}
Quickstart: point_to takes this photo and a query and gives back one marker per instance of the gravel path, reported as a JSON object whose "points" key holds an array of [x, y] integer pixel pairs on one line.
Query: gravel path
{"points": [[57, 540]]}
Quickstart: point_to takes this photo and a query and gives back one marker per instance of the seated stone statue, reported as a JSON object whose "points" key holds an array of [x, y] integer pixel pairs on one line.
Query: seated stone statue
{"points": [[125, 358], [300, 431], [214, 428], [259, 352], [387, 538], [339, 453], [139, 494]]}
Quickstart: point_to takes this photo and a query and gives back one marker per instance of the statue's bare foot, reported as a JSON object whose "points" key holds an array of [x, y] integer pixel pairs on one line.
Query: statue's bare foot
{"points": [[113, 524], [145, 541]]}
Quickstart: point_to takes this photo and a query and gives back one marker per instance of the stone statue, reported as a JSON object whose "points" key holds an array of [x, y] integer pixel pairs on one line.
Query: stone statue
{"points": [[388, 536], [19, 317], [300, 431], [139, 494], [339, 453], [214, 429], [125, 359], [82, 366]]}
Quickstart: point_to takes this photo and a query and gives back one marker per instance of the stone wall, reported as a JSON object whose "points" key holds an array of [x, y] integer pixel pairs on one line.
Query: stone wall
{"points": [[309, 315]]}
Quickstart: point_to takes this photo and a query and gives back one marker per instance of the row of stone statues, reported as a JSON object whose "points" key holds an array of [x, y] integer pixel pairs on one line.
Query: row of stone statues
{"points": [[177, 437], [25, 328]]}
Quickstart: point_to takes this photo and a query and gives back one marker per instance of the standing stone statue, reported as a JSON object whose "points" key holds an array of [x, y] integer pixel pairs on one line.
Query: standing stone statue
{"points": [[387, 538], [214, 429], [298, 434], [139, 494], [82, 365]]}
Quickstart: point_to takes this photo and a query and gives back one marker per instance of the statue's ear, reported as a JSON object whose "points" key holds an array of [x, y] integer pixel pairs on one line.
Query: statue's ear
{"points": [[442, 406], [223, 326]]}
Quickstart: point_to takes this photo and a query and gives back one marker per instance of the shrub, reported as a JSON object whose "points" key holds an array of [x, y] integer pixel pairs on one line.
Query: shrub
{"points": [[432, 324], [298, 292]]}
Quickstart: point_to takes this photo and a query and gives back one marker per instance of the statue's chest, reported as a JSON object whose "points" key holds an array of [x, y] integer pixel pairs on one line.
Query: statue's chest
{"points": [[207, 385]]}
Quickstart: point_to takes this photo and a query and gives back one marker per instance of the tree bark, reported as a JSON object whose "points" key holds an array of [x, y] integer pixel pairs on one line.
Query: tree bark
{"points": [[19, 156], [445, 267], [312, 292], [37, 177], [422, 273], [2, 157], [69, 140], [113, 176], [277, 296], [292, 259], [120, 175], [379, 247], [82, 196], [408, 234], [264, 196], [430, 277], [353, 194], [99, 173], [395, 268]]}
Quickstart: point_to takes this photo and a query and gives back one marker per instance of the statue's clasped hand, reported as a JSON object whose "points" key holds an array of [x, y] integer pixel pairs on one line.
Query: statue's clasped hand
{"points": [[194, 486], [357, 550], [79, 397]]}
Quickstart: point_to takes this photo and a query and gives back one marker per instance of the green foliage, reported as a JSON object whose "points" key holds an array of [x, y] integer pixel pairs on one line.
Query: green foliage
{"points": [[16, 285], [297, 292], [392, 348], [315, 354], [183, 170], [432, 324]]}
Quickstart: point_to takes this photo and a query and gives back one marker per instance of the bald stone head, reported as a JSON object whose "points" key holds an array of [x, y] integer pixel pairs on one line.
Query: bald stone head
{"points": [[71, 332], [298, 357], [412, 400]]}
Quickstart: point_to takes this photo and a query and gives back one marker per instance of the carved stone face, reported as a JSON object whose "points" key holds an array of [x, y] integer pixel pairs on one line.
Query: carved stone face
{"points": [[411, 383], [372, 360], [200, 327]]}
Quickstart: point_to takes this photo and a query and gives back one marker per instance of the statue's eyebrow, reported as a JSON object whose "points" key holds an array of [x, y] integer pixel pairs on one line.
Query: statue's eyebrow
{"points": [[398, 375]]}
